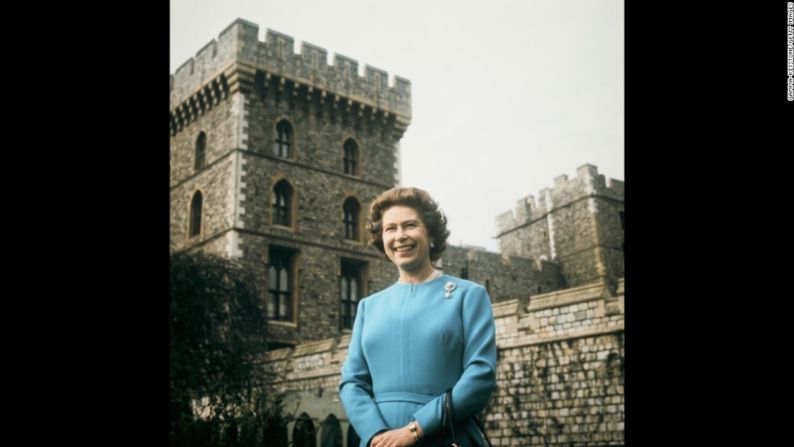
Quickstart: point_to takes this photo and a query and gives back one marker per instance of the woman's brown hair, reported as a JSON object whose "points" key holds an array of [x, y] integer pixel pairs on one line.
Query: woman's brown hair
{"points": [[432, 217]]}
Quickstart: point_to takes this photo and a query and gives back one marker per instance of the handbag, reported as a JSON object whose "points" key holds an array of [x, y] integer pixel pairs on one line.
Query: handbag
{"points": [[449, 426]]}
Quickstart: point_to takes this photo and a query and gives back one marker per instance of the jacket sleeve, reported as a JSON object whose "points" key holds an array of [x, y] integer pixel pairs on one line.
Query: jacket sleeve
{"points": [[473, 390], [355, 388]]}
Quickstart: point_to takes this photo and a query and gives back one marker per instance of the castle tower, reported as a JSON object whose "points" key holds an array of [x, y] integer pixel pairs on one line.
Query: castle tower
{"points": [[578, 223], [275, 157]]}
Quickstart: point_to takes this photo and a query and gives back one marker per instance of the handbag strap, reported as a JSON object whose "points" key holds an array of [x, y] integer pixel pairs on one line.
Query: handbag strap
{"points": [[449, 420], [482, 430]]}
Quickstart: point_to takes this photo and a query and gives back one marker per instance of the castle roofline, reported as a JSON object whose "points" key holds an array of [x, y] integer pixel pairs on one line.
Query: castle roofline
{"points": [[587, 183], [237, 53]]}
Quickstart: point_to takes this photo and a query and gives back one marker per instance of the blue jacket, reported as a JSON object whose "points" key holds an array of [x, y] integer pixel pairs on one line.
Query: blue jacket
{"points": [[410, 344]]}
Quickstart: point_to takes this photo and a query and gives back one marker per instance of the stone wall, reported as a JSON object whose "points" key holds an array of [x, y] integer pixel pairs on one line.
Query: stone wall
{"points": [[235, 90], [505, 277], [575, 223], [559, 371], [320, 131], [318, 272], [231, 61], [216, 217]]}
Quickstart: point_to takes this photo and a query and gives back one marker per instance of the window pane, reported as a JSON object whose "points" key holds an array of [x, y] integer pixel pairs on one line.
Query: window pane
{"points": [[271, 307], [283, 283], [282, 309], [195, 214], [353, 289]]}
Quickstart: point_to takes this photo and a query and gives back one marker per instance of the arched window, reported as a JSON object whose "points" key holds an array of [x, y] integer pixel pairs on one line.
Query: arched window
{"points": [[304, 434], [283, 139], [331, 433], [195, 214], [350, 211], [282, 196], [351, 157], [352, 437], [201, 151]]}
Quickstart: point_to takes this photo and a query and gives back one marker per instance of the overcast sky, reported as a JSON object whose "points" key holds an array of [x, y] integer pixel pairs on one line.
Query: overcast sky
{"points": [[506, 94]]}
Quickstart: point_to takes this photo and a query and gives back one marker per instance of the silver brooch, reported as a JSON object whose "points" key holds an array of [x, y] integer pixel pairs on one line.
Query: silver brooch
{"points": [[448, 288]]}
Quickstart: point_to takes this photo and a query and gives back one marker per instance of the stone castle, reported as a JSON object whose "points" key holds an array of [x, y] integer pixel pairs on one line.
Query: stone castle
{"points": [[275, 157]]}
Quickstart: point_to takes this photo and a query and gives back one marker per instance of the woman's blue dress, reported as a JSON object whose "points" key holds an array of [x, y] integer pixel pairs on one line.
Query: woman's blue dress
{"points": [[410, 344]]}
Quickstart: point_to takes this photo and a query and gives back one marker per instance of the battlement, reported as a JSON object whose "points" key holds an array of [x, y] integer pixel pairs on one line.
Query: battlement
{"points": [[238, 46], [588, 182]]}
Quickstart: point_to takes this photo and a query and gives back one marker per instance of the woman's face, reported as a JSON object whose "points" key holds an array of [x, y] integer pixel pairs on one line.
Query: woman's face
{"points": [[405, 238]]}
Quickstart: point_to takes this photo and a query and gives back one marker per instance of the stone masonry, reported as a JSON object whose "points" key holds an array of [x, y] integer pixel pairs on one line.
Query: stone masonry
{"points": [[506, 277], [235, 91], [559, 371], [577, 223], [556, 286]]}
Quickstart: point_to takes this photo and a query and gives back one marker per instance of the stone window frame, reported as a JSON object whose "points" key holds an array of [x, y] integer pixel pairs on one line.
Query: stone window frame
{"points": [[292, 256], [191, 217], [291, 203], [358, 219], [200, 152], [278, 142], [348, 268], [356, 161]]}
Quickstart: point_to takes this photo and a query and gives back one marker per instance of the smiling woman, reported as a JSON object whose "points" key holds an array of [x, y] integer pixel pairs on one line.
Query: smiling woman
{"points": [[427, 334], [423, 210], [406, 243]]}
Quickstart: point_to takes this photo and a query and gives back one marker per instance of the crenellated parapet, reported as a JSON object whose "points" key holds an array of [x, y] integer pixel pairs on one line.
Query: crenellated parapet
{"points": [[587, 183], [237, 60], [578, 222], [588, 178]]}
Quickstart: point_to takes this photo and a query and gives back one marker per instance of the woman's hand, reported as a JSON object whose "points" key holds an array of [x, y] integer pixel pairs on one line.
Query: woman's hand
{"points": [[399, 437]]}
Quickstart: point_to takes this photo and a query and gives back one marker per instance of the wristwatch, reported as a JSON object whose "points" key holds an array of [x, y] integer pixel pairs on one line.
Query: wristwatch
{"points": [[412, 427]]}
